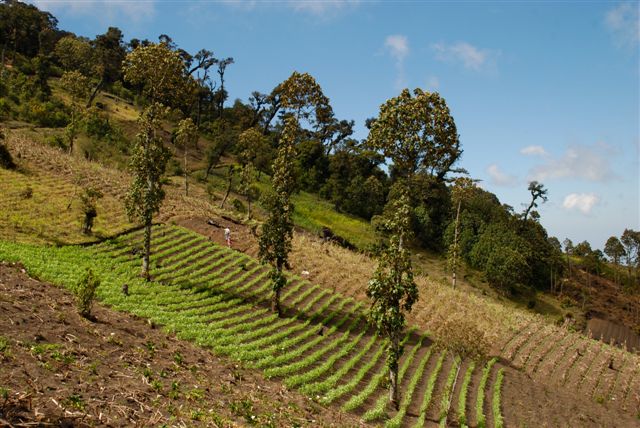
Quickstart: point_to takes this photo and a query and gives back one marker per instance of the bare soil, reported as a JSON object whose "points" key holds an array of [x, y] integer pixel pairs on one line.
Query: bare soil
{"points": [[117, 370]]}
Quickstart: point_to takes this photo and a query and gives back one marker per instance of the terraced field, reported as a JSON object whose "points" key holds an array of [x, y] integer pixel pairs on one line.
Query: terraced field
{"points": [[43, 207], [218, 298], [605, 374]]}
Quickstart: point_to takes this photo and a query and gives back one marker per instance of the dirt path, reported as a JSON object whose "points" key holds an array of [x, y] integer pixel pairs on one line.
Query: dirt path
{"points": [[117, 370]]}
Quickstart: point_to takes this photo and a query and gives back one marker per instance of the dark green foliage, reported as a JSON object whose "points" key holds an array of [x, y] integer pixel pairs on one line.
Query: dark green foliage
{"points": [[277, 230], [88, 199], [85, 291], [6, 160], [392, 289]]}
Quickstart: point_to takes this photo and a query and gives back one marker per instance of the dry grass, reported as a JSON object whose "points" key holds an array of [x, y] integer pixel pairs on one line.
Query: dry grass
{"points": [[439, 309], [56, 178]]}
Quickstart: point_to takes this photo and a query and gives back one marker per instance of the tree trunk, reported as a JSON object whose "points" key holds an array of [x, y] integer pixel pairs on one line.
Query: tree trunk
{"points": [[95, 92], [226, 195], [393, 386], [147, 248], [4, 49], [455, 247], [275, 302]]}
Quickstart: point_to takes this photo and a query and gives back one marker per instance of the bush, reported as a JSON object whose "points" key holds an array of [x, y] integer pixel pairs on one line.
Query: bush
{"points": [[239, 206], [57, 141], [85, 291], [6, 161], [47, 114]]}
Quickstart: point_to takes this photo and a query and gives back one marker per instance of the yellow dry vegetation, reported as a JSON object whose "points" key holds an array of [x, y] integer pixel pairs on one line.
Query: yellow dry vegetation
{"points": [[50, 212], [461, 318]]}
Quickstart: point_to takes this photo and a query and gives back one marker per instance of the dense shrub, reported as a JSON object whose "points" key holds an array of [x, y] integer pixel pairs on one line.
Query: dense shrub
{"points": [[6, 161], [85, 291], [50, 114]]}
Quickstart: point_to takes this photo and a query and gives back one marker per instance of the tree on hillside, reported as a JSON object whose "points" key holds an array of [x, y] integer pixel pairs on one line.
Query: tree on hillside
{"points": [[537, 191], [392, 290], [417, 132], [109, 54], [221, 94], [89, 201], [26, 30], [630, 239], [186, 135], [75, 54], [568, 250], [160, 73], [277, 230], [615, 250], [462, 189], [79, 87]]}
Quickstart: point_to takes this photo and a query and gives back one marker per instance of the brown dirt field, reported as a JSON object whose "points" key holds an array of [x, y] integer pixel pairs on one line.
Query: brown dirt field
{"points": [[608, 301], [527, 404], [611, 332], [117, 370]]}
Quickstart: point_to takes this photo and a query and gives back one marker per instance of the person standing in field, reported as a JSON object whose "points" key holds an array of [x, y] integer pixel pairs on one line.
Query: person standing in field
{"points": [[227, 236]]}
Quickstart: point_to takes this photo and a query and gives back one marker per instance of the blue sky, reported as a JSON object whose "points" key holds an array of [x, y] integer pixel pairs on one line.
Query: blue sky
{"points": [[539, 90]]}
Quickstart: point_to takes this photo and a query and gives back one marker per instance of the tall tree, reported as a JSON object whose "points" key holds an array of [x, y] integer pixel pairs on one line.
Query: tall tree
{"points": [[160, 72], [393, 290], [277, 230], [78, 86], [615, 250], [109, 54], [186, 135], [221, 95], [418, 133], [462, 189], [537, 191], [630, 239]]}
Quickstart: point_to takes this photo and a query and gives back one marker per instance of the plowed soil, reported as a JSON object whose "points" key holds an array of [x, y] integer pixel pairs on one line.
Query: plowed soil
{"points": [[60, 369]]}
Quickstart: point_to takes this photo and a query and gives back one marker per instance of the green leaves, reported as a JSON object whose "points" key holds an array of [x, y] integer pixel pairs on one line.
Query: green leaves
{"points": [[392, 288], [418, 133], [160, 72], [148, 162], [277, 230]]}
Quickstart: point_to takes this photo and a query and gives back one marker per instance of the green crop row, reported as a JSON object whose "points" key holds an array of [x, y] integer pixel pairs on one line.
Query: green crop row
{"points": [[462, 398], [379, 409], [445, 402], [306, 377], [284, 370], [498, 422], [431, 384], [355, 380], [331, 381], [264, 351], [408, 395], [480, 417]]}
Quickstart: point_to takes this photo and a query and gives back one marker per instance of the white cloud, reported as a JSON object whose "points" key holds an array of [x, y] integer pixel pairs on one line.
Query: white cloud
{"points": [[471, 57], [397, 46], [583, 202], [624, 22], [322, 7], [132, 10], [500, 178], [578, 162], [533, 151]]}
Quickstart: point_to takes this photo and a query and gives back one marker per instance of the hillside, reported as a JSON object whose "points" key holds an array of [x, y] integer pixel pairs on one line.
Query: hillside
{"points": [[61, 369], [216, 297]]}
